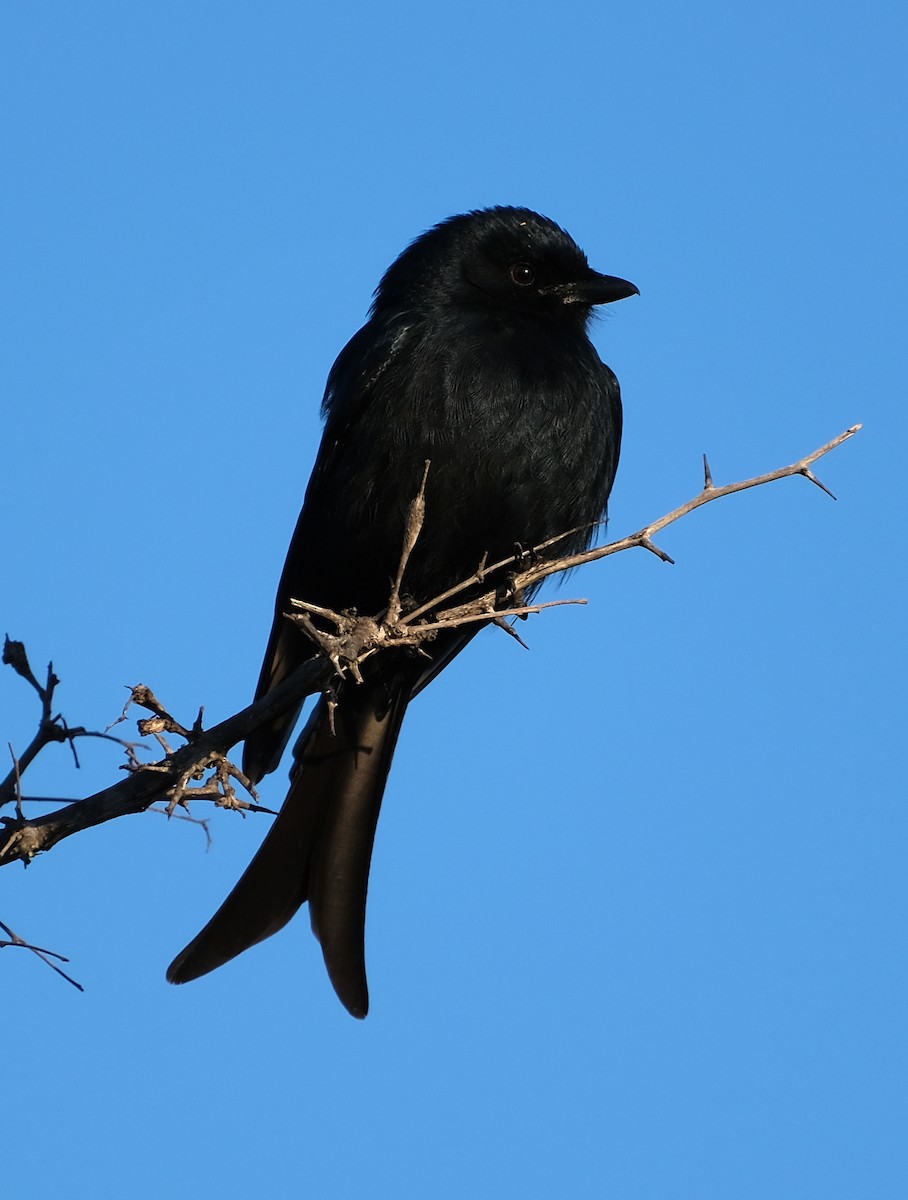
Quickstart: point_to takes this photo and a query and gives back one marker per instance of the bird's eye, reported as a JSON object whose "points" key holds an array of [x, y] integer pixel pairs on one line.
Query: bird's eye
{"points": [[522, 274]]}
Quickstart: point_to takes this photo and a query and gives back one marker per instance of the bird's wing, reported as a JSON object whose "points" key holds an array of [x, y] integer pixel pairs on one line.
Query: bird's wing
{"points": [[352, 381]]}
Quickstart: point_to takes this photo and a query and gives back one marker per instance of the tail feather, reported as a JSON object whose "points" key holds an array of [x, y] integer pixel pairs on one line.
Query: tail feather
{"points": [[339, 870], [319, 847], [269, 892]]}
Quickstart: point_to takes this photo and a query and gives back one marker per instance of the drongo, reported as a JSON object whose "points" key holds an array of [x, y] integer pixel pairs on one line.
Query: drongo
{"points": [[475, 358]]}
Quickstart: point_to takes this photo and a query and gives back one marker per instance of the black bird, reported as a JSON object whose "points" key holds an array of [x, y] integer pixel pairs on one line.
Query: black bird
{"points": [[476, 358]]}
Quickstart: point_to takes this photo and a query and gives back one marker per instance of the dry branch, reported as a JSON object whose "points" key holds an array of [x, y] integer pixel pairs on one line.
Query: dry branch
{"points": [[352, 641], [542, 567], [21, 840]]}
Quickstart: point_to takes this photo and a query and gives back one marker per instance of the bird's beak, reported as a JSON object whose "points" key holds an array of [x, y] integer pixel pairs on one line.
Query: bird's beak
{"points": [[593, 288], [602, 289]]}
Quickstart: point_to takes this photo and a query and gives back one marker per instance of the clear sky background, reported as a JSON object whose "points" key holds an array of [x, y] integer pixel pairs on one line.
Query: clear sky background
{"points": [[638, 903]]}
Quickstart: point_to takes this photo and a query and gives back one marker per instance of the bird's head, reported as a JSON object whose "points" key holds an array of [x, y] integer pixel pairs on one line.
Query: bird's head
{"points": [[511, 259]]}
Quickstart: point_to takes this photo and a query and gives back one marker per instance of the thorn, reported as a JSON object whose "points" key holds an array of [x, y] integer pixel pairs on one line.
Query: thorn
{"points": [[654, 549], [502, 624], [808, 474], [707, 475]]}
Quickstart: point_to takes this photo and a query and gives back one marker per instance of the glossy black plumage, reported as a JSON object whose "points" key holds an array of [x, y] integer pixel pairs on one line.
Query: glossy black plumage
{"points": [[476, 357]]}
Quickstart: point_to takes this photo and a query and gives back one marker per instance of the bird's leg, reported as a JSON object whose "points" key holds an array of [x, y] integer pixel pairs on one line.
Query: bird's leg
{"points": [[509, 595]]}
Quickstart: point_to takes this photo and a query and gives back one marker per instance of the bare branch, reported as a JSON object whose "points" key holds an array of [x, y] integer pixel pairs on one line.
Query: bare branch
{"points": [[22, 839], [540, 570], [343, 652], [355, 639]]}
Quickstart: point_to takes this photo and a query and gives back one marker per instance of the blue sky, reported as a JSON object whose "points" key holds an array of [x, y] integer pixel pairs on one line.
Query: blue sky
{"points": [[637, 914]]}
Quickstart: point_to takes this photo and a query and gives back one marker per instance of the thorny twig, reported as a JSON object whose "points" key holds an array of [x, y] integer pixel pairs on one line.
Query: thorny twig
{"points": [[416, 514], [192, 783], [354, 640], [22, 839], [538, 571]]}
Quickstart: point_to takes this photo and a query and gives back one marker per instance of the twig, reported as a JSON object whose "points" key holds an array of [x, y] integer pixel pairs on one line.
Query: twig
{"points": [[356, 640], [50, 728], [643, 538], [17, 780], [204, 822], [41, 952], [416, 515]]}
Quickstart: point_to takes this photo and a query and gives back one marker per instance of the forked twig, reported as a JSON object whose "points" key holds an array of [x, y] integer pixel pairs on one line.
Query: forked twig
{"points": [[40, 952]]}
